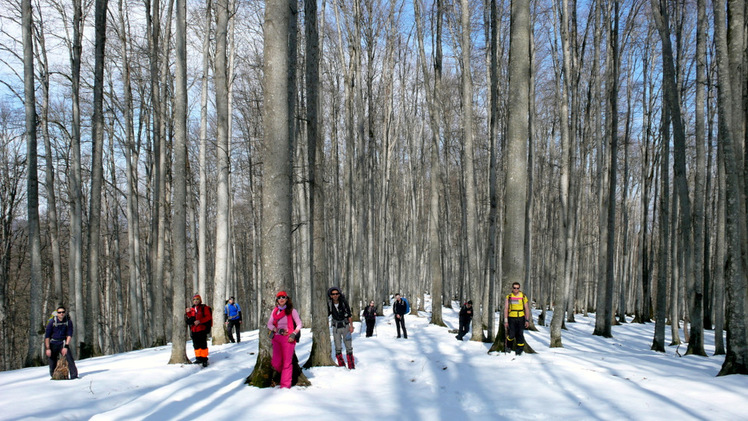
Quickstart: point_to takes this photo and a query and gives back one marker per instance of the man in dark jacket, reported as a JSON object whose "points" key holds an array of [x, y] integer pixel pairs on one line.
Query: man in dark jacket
{"points": [[199, 318], [399, 308], [57, 338], [466, 315], [232, 317], [342, 326]]}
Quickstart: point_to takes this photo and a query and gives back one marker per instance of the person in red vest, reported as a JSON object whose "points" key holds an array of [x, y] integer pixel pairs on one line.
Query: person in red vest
{"points": [[199, 318]]}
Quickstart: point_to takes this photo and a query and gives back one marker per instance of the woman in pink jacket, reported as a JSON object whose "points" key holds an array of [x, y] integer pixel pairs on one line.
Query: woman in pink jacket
{"points": [[285, 323]]}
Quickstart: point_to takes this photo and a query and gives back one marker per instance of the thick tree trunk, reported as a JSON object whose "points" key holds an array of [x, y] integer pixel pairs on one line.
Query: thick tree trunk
{"points": [[320, 354], [277, 269], [179, 220], [223, 153]]}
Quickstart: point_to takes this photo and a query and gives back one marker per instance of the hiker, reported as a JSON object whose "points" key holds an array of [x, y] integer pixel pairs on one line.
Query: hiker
{"points": [[466, 315], [400, 309], [285, 324], [342, 326], [370, 315], [57, 338], [516, 314], [232, 317], [199, 317]]}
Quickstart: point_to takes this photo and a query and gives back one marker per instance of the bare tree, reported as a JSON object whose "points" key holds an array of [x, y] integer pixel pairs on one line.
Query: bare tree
{"points": [[320, 353], [736, 360], [33, 356], [277, 268], [179, 220]]}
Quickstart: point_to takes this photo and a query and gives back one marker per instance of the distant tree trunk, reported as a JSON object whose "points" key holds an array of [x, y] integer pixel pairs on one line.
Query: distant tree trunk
{"points": [[515, 176], [33, 356], [320, 354], [700, 140], [658, 342], [277, 268], [54, 232], [736, 360], [564, 250], [179, 220], [137, 329], [223, 150]]}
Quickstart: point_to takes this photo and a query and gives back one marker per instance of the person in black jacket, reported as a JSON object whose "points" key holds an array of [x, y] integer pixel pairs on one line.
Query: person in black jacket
{"points": [[342, 326], [399, 308], [370, 315], [57, 338], [466, 315]]}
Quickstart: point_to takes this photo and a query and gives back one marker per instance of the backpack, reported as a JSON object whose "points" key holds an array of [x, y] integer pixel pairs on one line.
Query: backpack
{"points": [[407, 305], [210, 311]]}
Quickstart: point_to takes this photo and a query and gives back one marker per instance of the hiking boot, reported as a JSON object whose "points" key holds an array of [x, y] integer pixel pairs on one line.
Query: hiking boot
{"points": [[339, 357], [519, 350], [351, 364], [205, 362]]}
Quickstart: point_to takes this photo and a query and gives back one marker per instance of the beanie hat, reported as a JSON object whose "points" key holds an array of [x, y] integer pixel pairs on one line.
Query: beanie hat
{"points": [[198, 297]]}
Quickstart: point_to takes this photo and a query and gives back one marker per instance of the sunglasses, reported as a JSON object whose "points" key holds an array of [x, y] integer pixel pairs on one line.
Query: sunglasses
{"points": [[515, 287], [335, 293], [60, 312], [282, 297]]}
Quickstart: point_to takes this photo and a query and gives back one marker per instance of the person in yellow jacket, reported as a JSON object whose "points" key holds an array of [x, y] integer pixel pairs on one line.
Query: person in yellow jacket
{"points": [[517, 317]]}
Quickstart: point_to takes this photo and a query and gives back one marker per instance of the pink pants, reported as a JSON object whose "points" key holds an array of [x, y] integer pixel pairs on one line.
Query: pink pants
{"points": [[283, 358]]}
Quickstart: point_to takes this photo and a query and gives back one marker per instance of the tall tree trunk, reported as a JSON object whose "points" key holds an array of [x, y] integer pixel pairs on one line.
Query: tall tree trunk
{"points": [[179, 220], [33, 356], [76, 183], [202, 246], [604, 311], [320, 354], [515, 176], [468, 174], [223, 159], [277, 268], [97, 180], [694, 288], [736, 360]]}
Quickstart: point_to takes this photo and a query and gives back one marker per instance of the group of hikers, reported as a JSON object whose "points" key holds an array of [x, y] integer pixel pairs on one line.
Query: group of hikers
{"points": [[285, 326]]}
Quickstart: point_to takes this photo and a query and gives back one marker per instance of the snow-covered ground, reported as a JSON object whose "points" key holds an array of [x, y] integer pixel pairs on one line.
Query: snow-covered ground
{"points": [[430, 376]]}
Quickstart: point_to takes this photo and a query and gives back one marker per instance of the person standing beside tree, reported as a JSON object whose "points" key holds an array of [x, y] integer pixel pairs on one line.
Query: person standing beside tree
{"points": [[342, 326], [232, 316], [466, 316], [370, 315], [285, 325], [199, 318], [516, 314], [57, 338], [400, 308]]}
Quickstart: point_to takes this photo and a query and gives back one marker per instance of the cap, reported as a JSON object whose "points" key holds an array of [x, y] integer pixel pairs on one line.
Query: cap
{"points": [[281, 293], [198, 297]]}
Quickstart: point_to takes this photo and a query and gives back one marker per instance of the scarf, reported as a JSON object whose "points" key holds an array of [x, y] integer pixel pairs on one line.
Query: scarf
{"points": [[278, 313]]}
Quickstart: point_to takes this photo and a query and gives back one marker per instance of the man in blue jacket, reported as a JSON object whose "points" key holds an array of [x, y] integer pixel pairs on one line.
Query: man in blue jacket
{"points": [[232, 316], [57, 338]]}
